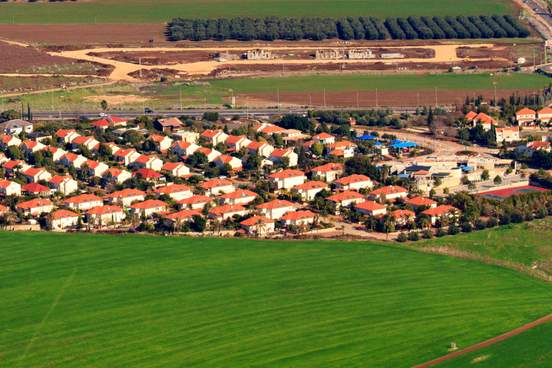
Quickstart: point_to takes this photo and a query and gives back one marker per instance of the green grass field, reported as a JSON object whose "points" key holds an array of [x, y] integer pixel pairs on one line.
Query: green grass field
{"points": [[160, 11], [216, 92], [78, 300], [526, 244], [530, 349]]}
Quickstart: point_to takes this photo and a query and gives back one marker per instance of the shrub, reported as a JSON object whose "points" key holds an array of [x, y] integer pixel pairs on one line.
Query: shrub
{"points": [[402, 237], [413, 236], [453, 229], [427, 234], [467, 227]]}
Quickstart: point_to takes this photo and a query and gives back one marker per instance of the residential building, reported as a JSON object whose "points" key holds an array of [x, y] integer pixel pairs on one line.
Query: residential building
{"points": [[149, 208], [240, 196], [227, 211], [215, 187], [444, 211], [354, 182], [276, 209], [299, 218], [63, 219], [258, 225], [16, 127], [105, 215], [183, 148], [213, 137], [176, 169], [507, 134], [526, 116], [177, 192], [310, 189], [287, 179], [9, 188], [83, 202], [285, 156], [35, 207], [371, 208], [328, 172], [196, 202], [389, 193], [168, 125], [36, 174], [262, 149], [126, 197], [345, 199]]}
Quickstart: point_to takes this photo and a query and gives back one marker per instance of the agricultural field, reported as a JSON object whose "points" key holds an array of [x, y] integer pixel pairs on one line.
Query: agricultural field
{"points": [[527, 244], [98, 300], [530, 349], [407, 89], [142, 11]]}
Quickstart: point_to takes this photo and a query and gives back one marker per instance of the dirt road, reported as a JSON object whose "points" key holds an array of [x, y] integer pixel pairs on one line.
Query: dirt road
{"points": [[484, 344], [442, 54]]}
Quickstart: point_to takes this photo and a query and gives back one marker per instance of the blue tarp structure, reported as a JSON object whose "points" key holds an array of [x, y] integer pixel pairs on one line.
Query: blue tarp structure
{"points": [[466, 168], [367, 137], [398, 144]]}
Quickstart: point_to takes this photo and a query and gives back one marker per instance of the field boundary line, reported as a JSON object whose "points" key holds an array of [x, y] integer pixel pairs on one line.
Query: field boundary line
{"points": [[489, 342], [53, 306]]}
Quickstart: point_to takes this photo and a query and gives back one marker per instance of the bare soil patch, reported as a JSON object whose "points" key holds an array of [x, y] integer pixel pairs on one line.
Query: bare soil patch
{"points": [[485, 52], [116, 99]]}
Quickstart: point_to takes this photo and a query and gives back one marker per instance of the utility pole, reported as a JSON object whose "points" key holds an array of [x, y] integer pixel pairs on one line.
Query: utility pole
{"points": [[357, 105], [495, 101], [324, 97], [140, 64], [278, 97], [180, 97], [435, 96], [377, 103]]}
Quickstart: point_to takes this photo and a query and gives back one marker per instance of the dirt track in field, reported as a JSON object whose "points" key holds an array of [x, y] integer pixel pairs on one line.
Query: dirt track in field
{"points": [[446, 53], [487, 343]]}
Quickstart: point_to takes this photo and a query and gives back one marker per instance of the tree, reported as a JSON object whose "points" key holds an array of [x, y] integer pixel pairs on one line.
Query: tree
{"points": [[104, 105], [199, 223], [317, 149], [485, 175], [211, 116], [497, 180]]}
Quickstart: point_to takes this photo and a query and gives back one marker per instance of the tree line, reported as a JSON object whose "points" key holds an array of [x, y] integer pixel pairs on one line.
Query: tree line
{"points": [[345, 28]]}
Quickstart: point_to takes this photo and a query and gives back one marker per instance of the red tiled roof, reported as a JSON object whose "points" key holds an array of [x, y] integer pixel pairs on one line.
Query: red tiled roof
{"points": [[214, 183], [35, 188], [470, 115], [439, 210], [58, 179], [323, 135], [5, 183], [173, 188], [62, 133], [298, 215], [38, 202], [233, 139], [355, 178], [197, 199], [61, 214], [125, 193], [256, 220], [100, 123], [420, 201], [339, 197], [329, 167], [210, 133], [227, 208], [281, 152], [397, 214], [277, 203], [104, 210], [183, 215], [390, 189], [239, 193], [525, 111], [370, 206], [147, 174], [313, 184], [170, 166], [33, 171], [83, 198], [12, 164], [288, 173], [150, 203]]}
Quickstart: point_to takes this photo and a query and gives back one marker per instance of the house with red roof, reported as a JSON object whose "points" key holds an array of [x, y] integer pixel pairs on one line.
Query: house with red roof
{"points": [[168, 125], [234, 163], [175, 191], [324, 138], [89, 143], [125, 197], [284, 155], [258, 225], [36, 189], [371, 208], [29, 147], [3, 210], [56, 152], [176, 169], [9, 140], [35, 207], [35, 174], [148, 162], [96, 168], [149, 208], [420, 203], [162, 142], [299, 218], [183, 149], [83, 202], [437, 213], [354, 182], [287, 179], [239, 196], [211, 154], [105, 215], [116, 175], [180, 217], [388, 193], [14, 166], [113, 148], [196, 202], [63, 184], [66, 135], [328, 172], [236, 142], [507, 134], [545, 114], [148, 175], [539, 146], [342, 149], [213, 136], [214, 187], [227, 211], [276, 209], [345, 199], [403, 217], [63, 219], [526, 116], [310, 189], [126, 156], [485, 120], [71, 159], [269, 129], [262, 149], [117, 121], [101, 124], [9, 188]]}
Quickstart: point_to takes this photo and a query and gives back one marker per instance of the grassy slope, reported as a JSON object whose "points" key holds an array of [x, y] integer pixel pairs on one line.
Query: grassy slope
{"points": [[101, 301], [525, 243], [160, 11], [530, 349]]}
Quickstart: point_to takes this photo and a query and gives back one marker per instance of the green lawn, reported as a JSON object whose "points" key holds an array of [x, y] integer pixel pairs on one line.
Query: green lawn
{"points": [[527, 243], [78, 300], [530, 349], [160, 11]]}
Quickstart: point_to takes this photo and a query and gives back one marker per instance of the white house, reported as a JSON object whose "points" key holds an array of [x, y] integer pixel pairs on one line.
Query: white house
{"points": [[177, 192], [126, 197], [83, 202], [183, 148], [328, 172], [176, 169], [258, 225], [371, 208], [63, 219], [388, 193], [299, 218], [213, 137], [276, 209], [354, 182], [284, 154], [64, 184], [35, 207], [239, 196], [105, 215], [287, 179], [8, 188], [310, 189], [149, 207], [215, 187], [507, 134], [262, 149]]}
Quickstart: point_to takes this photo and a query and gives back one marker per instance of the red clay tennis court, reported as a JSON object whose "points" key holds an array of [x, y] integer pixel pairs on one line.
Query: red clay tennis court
{"points": [[501, 194]]}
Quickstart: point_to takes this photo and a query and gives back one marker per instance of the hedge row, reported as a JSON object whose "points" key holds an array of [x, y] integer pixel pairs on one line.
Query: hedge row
{"points": [[349, 28]]}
